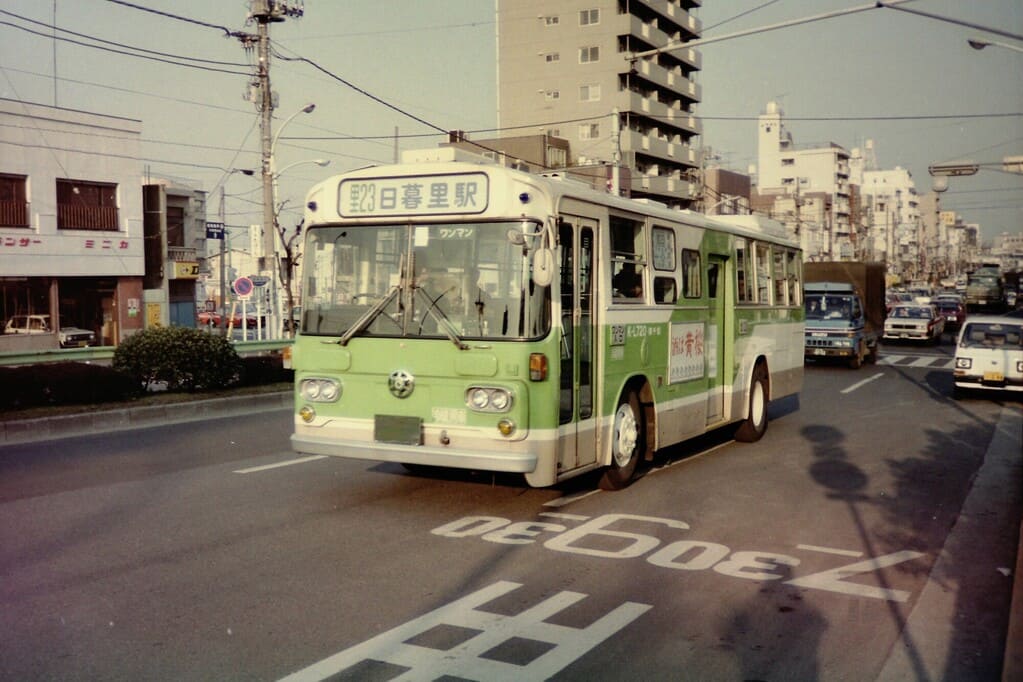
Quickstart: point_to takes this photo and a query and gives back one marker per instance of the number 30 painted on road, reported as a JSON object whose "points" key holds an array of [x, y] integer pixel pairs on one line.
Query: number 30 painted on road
{"points": [[594, 538]]}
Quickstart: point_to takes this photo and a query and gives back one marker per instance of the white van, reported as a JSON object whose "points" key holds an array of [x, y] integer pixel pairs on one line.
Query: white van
{"points": [[989, 354]]}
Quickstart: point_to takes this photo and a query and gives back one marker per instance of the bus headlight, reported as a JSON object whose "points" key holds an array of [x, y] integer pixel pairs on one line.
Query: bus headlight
{"points": [[488, 399], [964, 363], [320, 390]]}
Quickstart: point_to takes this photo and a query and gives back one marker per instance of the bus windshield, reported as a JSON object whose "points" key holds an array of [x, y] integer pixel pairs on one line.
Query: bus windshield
{"points": [[454, 280]]}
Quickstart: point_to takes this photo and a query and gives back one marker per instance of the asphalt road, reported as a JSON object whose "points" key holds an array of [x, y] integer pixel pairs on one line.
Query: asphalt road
{"points": [[870, 535]]}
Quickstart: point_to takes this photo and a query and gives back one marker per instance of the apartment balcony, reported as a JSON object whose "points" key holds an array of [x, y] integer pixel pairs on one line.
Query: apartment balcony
{"points": [[677, 16], [674, 153], [669, 80], [78, 217], [662, 115], [669, 189], [182, 253], [653, 37], [13, 214]]}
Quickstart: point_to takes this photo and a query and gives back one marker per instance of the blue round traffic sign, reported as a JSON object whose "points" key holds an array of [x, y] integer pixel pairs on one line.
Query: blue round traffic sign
{"points": [[243, 287]]}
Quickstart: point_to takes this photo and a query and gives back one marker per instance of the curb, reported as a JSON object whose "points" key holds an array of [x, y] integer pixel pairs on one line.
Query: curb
{"points": [[1012, 666], [104, 421]]}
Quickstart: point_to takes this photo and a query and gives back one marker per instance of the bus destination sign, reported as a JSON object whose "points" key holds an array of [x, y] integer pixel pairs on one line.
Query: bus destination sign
{"points": [[420, 195]]}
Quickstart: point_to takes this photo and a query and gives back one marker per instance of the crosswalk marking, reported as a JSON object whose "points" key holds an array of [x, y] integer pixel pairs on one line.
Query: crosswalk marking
{"points": [[931, 361], [488, 637]]}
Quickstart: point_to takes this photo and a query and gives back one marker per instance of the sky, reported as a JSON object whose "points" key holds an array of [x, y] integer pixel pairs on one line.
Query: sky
{"points": [[395, 74]]}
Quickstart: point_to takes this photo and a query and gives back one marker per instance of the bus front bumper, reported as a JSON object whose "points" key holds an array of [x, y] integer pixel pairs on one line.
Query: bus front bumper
{"points": [[514, 462]]}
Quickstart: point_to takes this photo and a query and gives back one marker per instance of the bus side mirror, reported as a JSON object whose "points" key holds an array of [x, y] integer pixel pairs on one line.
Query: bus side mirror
{"points": [[543, 267]]}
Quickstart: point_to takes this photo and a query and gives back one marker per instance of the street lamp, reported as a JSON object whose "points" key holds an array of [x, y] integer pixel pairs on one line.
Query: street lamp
{"points": [[978, 44], [270, 213]]}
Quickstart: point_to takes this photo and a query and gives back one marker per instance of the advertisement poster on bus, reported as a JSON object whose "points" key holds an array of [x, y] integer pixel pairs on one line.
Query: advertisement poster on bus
{"points": [[686, 352]]}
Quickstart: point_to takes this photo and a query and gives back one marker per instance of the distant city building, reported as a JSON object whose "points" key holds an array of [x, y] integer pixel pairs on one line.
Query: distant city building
{"points": [[563, 73], [895, 231], [816, 173]]}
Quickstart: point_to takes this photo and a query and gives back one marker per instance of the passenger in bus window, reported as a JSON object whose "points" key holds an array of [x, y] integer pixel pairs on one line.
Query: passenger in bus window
{"points": [[628, 282]]}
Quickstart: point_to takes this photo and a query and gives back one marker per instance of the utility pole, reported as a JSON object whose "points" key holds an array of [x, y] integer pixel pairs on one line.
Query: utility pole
{"points": [[264, 13], [223, 265]]}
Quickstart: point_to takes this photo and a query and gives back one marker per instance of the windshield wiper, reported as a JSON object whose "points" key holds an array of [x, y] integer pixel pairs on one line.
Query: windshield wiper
{"points": [[442, 319], [371, 314]]}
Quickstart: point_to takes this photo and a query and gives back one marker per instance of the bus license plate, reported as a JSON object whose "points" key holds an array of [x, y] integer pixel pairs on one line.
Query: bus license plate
{"points": [[400, 430], [819, 351], [994, 376]]}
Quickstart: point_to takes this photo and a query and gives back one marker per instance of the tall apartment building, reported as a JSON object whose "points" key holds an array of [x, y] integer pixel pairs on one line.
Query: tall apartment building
{"points": [[895, 225], [564, 71], [783, 169]]}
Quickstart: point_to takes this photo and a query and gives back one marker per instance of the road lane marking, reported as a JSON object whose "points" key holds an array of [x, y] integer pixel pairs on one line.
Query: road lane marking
{"points": [[493, 647], [866, 381], [569, 499], [278, 465], [830, 550]]}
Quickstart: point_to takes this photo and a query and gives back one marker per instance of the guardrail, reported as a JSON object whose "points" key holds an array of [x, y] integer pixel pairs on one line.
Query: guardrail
{"points": [[104, 355]]}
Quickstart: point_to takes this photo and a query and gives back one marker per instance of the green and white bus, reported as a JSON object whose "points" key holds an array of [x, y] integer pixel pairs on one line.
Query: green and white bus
{"points": [[460, 313]]}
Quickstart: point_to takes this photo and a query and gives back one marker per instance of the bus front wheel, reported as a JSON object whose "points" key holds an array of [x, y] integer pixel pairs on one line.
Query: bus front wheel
{"points": [[627, 443], [754, 426]]}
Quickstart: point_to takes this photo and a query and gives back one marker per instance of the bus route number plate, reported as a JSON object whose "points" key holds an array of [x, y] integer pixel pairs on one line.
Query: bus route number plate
{"points": [[399, 430]]}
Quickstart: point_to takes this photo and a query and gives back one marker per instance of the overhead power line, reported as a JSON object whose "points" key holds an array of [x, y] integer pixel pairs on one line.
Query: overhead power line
{"points": [[176, 17], [122, 45], [124, 52]]}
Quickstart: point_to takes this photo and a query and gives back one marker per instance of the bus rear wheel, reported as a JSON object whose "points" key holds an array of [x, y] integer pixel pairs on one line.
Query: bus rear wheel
{"points": [[754, 426], [627, 443]]}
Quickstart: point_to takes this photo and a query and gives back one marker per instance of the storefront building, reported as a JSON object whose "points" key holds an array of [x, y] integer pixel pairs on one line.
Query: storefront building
{"points": [[71, 242]]}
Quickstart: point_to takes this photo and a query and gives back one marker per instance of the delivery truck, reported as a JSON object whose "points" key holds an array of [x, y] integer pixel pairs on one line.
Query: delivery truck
{"points": [[845, 310]]}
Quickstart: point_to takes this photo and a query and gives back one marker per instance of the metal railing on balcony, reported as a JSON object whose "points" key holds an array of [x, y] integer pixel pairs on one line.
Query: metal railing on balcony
{"points": [[76, 217], [181, 253], [13, 214]]}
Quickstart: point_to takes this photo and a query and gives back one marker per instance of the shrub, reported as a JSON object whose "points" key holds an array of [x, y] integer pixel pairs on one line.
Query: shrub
{"points": [[186, 359], [63, 383]]}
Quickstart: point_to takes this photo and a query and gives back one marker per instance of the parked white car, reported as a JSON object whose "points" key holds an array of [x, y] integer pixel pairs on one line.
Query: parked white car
{"points": [[989, 355], [916, 322], [69, 337]]}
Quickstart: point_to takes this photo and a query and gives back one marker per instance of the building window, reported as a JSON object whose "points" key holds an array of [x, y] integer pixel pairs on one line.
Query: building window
{"points": [[589, 54], [554, 132], [589, 93], [552, 94], [556, 157], [552, 57], [551, 21], [788, 162], [86, 205], [589, 131], [13, 201], [588, 17]]}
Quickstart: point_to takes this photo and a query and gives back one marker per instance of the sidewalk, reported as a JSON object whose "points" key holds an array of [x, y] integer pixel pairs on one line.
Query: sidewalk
{"points": [[118, 419], [928, 643]]}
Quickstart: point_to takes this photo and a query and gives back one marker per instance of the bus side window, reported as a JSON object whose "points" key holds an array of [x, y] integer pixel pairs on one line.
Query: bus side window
{"points": [[627, 258], [665, 290]]}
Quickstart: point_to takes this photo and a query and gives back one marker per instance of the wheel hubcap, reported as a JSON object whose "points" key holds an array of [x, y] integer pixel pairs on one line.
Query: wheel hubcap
{"points": [[626, 435]]}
